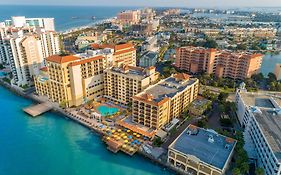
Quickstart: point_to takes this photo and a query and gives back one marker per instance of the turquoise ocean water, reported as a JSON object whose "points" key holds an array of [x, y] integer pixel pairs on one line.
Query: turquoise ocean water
{"points": [[54, 145]]}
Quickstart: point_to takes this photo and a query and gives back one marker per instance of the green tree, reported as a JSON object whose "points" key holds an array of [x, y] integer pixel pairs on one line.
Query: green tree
{"points": [[259, 171], [236, 171], [244, 167], [223, 96], [210, 43], [271, 77]]}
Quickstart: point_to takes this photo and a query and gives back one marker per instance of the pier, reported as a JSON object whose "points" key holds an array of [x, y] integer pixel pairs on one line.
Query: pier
{"points": [[38, 109]]}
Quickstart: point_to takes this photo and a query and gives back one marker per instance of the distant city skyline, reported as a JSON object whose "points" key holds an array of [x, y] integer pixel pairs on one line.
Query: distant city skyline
{"points": [[152, 3]]}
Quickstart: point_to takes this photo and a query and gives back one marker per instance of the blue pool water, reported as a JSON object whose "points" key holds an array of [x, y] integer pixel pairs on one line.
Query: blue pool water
{"points": [[105, 110]]}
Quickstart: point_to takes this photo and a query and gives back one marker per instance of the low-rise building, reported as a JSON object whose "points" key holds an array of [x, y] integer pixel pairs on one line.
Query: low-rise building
{"points": [[148, 59], [160, 103], [198, 107], [201, 151], [260, 116], [122, 83]]}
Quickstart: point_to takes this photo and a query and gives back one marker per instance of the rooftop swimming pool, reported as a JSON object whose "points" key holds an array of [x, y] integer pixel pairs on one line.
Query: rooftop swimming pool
{"points": [[106, 110]]}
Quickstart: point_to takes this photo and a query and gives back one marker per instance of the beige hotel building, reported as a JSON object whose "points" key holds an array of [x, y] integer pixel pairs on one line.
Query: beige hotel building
{"points": [[160, 103], [73, 80], [121, 83]]}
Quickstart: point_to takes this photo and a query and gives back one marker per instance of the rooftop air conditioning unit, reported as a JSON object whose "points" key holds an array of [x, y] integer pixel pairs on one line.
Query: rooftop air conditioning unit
{"points": [[211, 139]]}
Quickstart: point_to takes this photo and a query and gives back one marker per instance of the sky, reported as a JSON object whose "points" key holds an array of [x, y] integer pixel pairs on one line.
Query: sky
{"points": [[152, 3]]}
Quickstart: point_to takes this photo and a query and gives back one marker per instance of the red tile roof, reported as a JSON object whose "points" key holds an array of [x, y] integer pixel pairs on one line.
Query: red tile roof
{"points": [[123, 46], [182, 76], [124, 51], [61, 59], [45, 69], [86, 60]]}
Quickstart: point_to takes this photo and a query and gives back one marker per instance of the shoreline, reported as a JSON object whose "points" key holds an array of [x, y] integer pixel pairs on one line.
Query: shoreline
{"points": [[78, 28], [63, 113]]}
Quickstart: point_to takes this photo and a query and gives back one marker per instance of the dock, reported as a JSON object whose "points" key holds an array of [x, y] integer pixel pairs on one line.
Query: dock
{"points": [[38, 109]]}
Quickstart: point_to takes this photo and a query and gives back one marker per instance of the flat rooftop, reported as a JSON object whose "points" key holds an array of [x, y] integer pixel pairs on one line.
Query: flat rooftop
{"points": [[131, 71], [168, 87], [269, 121], [267, 112], [262, 100], [206, 145]]}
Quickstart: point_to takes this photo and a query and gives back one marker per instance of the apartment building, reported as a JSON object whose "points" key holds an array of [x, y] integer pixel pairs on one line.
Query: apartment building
{"points": [[122, 83], [160, 103], [21, 21], [260, 116], [277, 71], [121, 53], [24, 43], [222, 63], [129, 17], [200, 151], [72, 80]]}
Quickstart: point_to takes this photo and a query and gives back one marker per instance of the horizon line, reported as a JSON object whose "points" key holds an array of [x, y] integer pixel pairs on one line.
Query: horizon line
{"points": [[142, 6]]}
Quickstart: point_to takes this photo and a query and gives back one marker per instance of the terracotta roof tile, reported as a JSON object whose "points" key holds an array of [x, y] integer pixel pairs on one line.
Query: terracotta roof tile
{"points": [[123, 46], [61, 59], [86, 60]]}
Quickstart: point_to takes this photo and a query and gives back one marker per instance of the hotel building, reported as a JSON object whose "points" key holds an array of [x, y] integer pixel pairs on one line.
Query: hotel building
{"points": [[71, 80], [199, 151], [160, 103], [24, 43], [222, 63], [260, 115], [76, 79], [129, 17], [121, 53], [121, 83]]}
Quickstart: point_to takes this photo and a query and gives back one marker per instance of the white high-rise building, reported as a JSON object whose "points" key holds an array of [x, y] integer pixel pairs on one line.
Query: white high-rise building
{"points": [[24, 44], [260, 116], [21, 21]]}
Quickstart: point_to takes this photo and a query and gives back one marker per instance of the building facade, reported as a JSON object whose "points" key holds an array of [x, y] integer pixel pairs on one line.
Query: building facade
{"points": [[149, 59], [70, 80], [222, 63], [129, 17], [122, 83], [259, 114], [24, 44], [277, 71], [160, 103], [195, 152]]}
